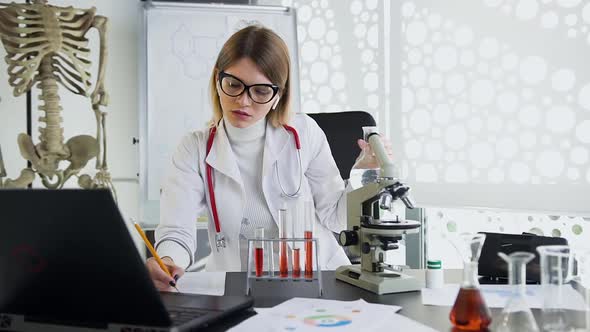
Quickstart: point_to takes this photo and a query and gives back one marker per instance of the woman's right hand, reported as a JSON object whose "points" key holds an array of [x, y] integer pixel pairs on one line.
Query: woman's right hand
{"points": [[161, 279]]}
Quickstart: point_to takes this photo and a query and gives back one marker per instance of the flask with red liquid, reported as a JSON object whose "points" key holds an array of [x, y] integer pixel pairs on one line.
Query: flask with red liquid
{"points": [[470, 313]]}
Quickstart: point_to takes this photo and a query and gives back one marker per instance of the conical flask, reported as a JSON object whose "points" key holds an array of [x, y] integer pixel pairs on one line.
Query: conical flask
{"points": [[566, 298], [516, 316], [470, 313], [582, 260], [556, 274]]}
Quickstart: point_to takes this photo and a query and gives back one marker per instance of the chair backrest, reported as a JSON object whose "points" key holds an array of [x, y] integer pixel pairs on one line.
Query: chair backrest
{"points": [[342, 130]]}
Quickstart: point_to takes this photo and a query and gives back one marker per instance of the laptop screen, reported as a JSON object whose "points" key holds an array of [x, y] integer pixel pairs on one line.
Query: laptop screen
{"points": [[67, 257]]}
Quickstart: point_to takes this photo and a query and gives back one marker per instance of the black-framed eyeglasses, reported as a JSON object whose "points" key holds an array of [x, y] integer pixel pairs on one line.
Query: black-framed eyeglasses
{"points": [[259, 93]]}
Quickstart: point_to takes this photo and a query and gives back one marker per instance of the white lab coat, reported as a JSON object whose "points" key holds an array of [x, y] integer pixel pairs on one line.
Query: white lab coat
{"points": [[185, 193]]}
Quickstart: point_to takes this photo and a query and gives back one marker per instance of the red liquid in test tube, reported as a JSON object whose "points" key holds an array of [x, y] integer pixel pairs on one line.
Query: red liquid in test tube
{"points": [[283, 264], [308, 255], [259, 252], [309, 216], [296, 264], [259, 261]]}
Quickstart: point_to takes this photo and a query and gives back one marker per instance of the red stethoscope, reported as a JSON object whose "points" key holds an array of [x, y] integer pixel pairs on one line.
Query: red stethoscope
{"points": [[219, 238]]}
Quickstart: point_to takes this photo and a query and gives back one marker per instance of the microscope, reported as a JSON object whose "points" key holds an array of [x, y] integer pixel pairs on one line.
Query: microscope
{"points": [[370, 237]]}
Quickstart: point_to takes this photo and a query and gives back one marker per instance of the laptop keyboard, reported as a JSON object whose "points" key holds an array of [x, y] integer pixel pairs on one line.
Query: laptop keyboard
{"points": [[181, 315]]}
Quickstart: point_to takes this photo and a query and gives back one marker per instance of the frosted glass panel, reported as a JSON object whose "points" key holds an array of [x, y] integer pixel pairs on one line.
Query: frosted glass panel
{"points": [[486, 102], [496, 103]]}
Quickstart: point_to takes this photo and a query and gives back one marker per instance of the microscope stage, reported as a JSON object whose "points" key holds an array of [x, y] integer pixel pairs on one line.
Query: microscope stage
{"points": [[378, 282]]}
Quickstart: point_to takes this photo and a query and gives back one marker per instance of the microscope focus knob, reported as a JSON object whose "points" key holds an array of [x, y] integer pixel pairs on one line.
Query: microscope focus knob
{"points": [[348, 238], [366, 247]]}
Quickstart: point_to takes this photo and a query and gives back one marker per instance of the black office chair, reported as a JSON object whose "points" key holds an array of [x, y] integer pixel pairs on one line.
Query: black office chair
{"points": [[342, 130]]}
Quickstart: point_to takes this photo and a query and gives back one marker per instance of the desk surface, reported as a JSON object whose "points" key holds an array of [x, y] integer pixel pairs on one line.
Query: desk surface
{"points": [[411, 302]]}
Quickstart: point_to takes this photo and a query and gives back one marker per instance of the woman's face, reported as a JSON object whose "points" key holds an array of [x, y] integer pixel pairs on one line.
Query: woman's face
{"points": [[241, 111]]}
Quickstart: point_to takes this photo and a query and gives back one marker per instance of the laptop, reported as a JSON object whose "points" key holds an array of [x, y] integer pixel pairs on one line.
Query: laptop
{"points": [[67, 261], [494, 270]]}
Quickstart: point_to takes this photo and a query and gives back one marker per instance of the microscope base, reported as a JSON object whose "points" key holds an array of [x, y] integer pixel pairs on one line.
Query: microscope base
{"points": [[378, 282]]}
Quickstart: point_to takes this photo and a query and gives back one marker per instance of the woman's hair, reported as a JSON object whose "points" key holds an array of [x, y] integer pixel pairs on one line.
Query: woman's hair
{"points": [[270, 54]]}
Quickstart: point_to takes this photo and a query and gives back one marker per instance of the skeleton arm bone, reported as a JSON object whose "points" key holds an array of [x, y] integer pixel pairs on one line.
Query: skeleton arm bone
{"points": [[99, 95]]}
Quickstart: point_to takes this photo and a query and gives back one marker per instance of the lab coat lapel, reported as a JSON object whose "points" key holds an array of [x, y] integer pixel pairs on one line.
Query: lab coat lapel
{"points": [[274, 144], [229, 199], [221, 157]]}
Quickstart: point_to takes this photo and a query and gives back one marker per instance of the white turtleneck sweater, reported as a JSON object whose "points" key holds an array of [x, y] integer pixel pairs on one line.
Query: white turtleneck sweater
{"points": [[248, 147]]}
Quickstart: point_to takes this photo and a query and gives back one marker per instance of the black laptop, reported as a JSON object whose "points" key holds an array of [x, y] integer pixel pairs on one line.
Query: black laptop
{"points": [[67, 260], [494, 270]]}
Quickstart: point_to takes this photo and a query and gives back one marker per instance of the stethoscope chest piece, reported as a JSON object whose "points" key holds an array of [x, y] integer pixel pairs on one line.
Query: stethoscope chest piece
{"points": [[219, 241]]}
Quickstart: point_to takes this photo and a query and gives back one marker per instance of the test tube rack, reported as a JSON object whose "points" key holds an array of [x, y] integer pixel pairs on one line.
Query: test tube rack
{"points": [[272, 273]]}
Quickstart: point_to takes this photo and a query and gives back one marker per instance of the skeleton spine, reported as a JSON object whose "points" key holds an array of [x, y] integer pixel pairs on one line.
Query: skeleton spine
{"points": [[52, 134]]}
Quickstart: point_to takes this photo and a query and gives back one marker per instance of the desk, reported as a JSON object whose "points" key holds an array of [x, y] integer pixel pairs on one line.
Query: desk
{"points": [[411, 302]]}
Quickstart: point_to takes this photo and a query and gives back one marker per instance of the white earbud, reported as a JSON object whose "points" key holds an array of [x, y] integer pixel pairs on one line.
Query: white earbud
{"points": [[274, 106]]}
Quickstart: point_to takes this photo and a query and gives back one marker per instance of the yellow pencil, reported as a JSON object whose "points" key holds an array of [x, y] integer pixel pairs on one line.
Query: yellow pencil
{"points": [[152, 250]]}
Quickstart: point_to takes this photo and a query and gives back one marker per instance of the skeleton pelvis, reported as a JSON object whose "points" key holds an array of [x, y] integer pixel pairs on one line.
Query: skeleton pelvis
{"points": [[80, 149]]}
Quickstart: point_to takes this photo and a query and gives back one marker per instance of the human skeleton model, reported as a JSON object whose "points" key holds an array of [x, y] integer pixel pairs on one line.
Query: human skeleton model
{"points": [[47, 44]]}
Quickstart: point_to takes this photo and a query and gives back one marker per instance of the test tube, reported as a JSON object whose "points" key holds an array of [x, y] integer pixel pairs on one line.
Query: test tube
{"points": [[308, 221], [283, 264], [296, 228], [259, 251]]}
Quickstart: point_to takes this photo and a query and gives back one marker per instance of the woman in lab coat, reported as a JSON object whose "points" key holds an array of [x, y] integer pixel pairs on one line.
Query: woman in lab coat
{"points": [[254, 165]]}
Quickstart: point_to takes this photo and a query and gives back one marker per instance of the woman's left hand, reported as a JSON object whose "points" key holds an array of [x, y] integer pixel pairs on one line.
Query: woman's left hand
{"points": [[367, 158]]}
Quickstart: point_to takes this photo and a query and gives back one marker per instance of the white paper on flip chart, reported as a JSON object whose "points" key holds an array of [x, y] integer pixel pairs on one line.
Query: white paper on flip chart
{"points": [[302, 314], [496, 296], [206, 283]]}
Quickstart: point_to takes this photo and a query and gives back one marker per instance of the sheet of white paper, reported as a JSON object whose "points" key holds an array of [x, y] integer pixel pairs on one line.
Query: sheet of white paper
{"points": [[207, 283], [299, 314], [298, 303], [262, 310], [496, 296]]}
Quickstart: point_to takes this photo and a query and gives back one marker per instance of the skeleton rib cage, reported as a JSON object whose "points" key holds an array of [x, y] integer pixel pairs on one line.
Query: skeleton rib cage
{"points": [[47, 44], [57, 47]]}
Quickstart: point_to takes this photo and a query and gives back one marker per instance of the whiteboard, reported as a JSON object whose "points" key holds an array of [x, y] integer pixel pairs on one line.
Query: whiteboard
{"points": [[180, 45]]}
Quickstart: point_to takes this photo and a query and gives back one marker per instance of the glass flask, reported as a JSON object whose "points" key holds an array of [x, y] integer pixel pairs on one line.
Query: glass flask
{"points": [[470, 313], [516, 315], [556, 271], [362, 176], [582, 264], [564, 282]]}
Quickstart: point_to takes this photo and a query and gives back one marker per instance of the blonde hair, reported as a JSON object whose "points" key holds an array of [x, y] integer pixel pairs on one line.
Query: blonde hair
{"points": [[270, 54]]}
